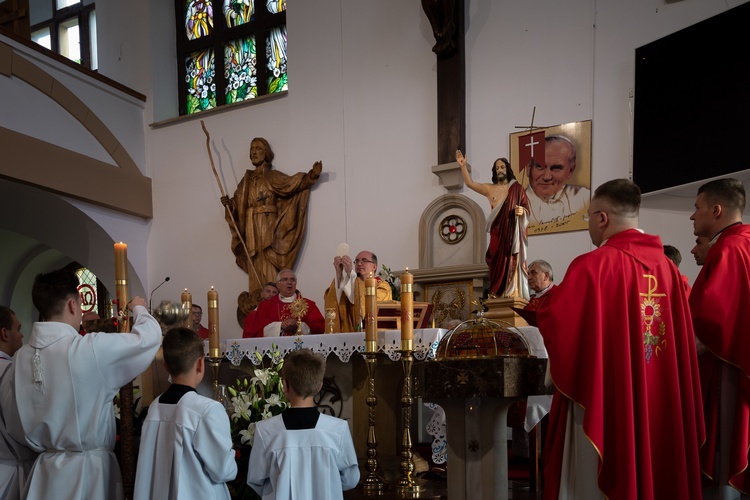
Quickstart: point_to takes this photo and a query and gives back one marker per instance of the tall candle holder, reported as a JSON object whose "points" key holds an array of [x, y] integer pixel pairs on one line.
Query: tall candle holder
{"points": [[407, 486], [373, 484]]}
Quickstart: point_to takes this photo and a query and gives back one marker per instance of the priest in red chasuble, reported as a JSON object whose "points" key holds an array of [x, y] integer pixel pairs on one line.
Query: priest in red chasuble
{"points": [[719, 304], [626, 419], [507, 223]]}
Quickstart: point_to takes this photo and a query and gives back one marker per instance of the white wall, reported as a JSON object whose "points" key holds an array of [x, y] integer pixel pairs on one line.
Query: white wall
{"points": [[362, 99]]}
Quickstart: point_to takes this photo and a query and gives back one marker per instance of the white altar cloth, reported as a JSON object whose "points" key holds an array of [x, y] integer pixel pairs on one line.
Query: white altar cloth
{"points": [[343, 345]]}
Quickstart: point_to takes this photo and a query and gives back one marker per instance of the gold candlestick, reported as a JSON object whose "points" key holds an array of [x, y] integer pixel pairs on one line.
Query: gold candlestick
{"points": [[373, 484], [187, 309], [407, 486], [214, 350]]}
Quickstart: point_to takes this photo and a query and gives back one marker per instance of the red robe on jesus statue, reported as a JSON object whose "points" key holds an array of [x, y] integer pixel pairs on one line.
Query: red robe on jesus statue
{"points": [[502, 253]]}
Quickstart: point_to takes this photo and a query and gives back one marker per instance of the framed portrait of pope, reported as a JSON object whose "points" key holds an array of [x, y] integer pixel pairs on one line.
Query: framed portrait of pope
{"points": [[553, 164]]}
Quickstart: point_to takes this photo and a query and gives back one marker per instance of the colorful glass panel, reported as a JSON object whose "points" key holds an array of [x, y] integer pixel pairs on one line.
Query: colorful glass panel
{"points": [[87, 290], [200, 81], [276, 57], [239, 12], [240, 73], [275, 6], [199, 18]]}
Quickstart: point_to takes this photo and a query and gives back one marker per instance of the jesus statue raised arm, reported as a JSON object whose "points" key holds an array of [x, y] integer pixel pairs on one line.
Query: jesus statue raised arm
{"points": [[506, 255]]}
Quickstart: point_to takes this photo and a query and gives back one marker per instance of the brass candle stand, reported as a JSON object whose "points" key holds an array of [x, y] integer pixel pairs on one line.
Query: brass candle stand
{"points": [[214, 360], [407, 486], [373, 484]]}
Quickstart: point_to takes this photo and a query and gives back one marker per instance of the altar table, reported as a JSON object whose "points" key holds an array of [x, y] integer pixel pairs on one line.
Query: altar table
{"points": [[345, 365]]}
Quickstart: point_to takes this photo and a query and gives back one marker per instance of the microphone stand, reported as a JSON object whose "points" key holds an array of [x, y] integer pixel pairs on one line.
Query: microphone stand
{"points": [[150, 310]]}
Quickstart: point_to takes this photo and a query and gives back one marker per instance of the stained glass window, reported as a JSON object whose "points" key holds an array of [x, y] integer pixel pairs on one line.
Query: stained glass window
{"points": [[87, 290], [199, 77], [276, 57], [242, 82], [238, 12], [221, 61], [199, 18]]}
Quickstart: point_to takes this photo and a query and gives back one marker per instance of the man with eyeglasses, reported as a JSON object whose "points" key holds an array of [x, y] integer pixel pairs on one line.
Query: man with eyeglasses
{"points": [[626, 420], [550, 197], [197, 313], [346, 295], [287, 313]]}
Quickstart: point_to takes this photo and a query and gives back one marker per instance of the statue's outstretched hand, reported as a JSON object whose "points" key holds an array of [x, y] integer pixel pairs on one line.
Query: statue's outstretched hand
{"points": [[520, 210], [225, 200], [317, 169], [460, 158]]}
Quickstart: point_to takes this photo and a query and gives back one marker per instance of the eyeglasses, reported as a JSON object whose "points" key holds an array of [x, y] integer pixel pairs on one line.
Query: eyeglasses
{"points": [[288, 280], [362, 261], [198, 313], [587, 217]]}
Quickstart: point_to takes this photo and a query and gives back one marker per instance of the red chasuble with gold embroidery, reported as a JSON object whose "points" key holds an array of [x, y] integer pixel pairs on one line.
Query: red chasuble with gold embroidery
{"points": [[620, 343], [273, 309], [719, 303]]}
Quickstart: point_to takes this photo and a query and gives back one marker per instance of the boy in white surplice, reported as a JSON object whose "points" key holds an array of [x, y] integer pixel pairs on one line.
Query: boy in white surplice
{"points": [[302, 454], [186, 444]]}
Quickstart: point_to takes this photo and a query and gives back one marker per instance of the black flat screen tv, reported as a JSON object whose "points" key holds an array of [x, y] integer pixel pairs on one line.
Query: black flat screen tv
{"points": [[692, 103]]}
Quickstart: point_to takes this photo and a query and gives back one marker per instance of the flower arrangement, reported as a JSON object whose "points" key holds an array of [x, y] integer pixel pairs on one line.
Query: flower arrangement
{"points": [[259, 398], [386, 274]]}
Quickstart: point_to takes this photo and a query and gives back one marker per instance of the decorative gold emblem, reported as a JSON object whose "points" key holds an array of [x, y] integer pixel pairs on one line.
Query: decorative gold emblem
{"points": [[298, 309], [651, 313]]}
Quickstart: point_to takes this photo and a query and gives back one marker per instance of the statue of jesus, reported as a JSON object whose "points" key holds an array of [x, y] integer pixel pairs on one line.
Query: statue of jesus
{"points": [[506, 255]]}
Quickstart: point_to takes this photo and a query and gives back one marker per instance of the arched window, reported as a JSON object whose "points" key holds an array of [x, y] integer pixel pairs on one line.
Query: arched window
{"points": [[217, 51]]}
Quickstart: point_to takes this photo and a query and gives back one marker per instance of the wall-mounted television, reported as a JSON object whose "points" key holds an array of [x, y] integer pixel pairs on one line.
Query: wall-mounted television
{"points": [[692, 103]]}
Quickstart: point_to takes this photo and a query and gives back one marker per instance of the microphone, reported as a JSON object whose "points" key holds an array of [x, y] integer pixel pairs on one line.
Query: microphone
{"points": [[152, 294]]}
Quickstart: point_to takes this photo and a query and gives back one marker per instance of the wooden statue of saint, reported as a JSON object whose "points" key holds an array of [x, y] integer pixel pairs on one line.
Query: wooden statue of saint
{"points": [[270, 212]]}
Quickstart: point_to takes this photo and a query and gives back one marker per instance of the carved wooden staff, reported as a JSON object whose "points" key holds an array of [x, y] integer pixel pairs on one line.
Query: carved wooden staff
{"points": [[231, 215]]}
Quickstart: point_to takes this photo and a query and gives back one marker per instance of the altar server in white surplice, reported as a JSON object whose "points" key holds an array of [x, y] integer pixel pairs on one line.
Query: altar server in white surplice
{"points": [[64, 385], [16, 458], [186, 444], [302, 454]]}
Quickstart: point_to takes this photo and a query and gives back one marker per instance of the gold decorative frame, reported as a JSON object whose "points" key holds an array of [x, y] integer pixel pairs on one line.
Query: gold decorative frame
{"points": [[579, 133], [451, 301]]}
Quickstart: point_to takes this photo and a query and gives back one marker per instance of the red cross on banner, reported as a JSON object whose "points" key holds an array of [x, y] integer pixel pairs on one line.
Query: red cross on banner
{"points": [[530, 148]]}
